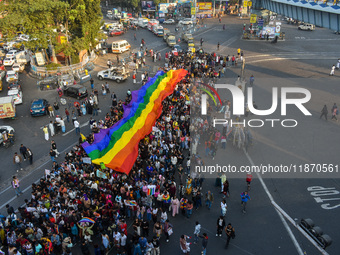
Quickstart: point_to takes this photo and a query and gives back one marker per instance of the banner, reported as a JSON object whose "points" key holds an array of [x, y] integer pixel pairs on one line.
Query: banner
{"points": [[253, 18], [148, 6], [204, 6], [166, 7]]}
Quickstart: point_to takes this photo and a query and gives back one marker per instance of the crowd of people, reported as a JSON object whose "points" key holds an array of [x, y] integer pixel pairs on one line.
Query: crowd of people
{"points": [[90, 205]]}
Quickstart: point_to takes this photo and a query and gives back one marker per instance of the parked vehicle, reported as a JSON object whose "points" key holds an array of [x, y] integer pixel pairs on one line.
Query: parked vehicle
{"points": [[12, 76], [76, 91], [7, 107], [113, 74], [308, 27], [169, 21], [143, 23], [186, 21], [151, 23], [158, 30], [39, 107], [18, 67], [116, 32], [16, 93], [9, 61], [120, 46], [11, 53], [187, 36]]}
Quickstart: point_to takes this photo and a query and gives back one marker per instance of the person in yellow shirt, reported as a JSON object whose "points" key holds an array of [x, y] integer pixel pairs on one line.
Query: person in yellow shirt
{"points": [[45, 130], [238, 52]]}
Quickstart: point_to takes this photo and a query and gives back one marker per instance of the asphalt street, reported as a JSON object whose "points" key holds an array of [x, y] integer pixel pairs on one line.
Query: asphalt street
{"points": [[302, 60]]}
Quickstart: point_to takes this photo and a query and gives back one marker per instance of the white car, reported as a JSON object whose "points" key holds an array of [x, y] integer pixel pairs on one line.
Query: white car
{"points": [[9, 45], [134, 22], [18, 67], [308, 27], [11, 53], [11, 75], [169, 21], [186, 21], [16, 94], [23, 37], [9, 61]]}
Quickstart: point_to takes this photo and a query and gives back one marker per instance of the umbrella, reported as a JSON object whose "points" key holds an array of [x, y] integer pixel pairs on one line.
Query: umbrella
{"points": [[86, 219]]}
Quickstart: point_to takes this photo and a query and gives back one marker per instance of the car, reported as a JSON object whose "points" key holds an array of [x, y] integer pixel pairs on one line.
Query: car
{"points": [[39, 107], [11, 76], [9, 45], [113, 74], [9, 61], [18, 67], [16, 94], [134, 22], [169, 21], [185, 21], [116, 32], [11, 53], [13, 85], [23, 37], [76, 91], [308, 27], [177, 48]]}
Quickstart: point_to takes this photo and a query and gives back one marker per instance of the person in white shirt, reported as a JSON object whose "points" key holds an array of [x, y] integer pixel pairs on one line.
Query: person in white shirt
{"points": [[116, 238], [76, 126], [123, 240]]}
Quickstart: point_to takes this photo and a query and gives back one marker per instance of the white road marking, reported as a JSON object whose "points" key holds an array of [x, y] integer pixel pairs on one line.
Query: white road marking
{"points": [[82, 125], [289, 231]]}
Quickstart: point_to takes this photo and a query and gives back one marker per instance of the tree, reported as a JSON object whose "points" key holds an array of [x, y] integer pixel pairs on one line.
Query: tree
{"points": [[42, 20]]}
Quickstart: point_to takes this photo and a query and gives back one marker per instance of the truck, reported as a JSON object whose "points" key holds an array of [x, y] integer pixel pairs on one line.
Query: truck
{"points": [[7, 107], [171, 40], [113, 73], [23, 57]]}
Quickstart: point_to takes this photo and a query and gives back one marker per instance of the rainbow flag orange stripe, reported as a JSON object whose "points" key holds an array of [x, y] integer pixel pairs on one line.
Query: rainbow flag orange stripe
{"points": [[117, 147]]}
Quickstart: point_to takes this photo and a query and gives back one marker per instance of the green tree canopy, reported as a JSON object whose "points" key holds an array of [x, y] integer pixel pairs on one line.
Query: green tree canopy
{"points": [[42, 20]]}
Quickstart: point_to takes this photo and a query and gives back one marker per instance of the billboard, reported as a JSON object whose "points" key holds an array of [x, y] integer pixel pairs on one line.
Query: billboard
{"points": [[204, 6], [148, 6], [167, 7]]}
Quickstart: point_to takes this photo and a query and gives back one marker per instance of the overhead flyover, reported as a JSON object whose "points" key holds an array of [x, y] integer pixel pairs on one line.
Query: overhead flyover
{"points": [[318, 13]]}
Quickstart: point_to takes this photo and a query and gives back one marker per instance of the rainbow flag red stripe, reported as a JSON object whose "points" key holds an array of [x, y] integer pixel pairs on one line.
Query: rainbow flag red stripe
{"points": [[117, 147]]}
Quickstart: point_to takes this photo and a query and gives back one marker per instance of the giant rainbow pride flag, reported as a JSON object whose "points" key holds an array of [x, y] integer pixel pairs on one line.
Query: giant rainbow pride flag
{"points": [[117, 147]]}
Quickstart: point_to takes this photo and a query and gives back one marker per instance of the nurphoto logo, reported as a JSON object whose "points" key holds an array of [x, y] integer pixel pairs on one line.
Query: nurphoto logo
{"points": [[238, 103]]}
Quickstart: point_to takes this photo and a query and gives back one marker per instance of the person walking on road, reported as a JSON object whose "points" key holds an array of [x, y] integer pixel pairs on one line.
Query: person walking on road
{"points": [[197, 232], [230, 231], [335, 112], [23, 151], [77, 127], [30, 156], [332, 70], [204, 243], [218, 46], [52, 155], [244, 199], [16, 186], [324, 112], [168, 230], [220, 225], [209, 199], [17, 160], [201, 41], [251, 80], [54, 148], [51, 127], [185, 246], [45, 130]]}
